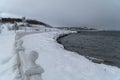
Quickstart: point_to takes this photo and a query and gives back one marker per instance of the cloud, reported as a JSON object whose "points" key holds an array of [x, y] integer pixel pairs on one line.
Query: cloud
{"points": [[66, 12]]}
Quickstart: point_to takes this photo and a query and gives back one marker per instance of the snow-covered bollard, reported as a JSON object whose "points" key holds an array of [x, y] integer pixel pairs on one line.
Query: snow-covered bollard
{"points": [[0, 24], [15, 27], [28, 68], [18, 45], [19, 49], [34, 71], [24, 22]]}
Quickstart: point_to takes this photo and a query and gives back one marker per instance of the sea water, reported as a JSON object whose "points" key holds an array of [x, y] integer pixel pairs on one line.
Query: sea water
{"points": [[103, 45]]}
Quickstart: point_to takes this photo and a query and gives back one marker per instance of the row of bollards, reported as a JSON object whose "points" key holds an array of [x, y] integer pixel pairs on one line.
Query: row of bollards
{"points": [[29, 70]]}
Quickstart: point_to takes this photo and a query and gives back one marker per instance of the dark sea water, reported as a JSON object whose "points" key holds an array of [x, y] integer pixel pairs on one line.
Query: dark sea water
{"points": [[103, 45]]}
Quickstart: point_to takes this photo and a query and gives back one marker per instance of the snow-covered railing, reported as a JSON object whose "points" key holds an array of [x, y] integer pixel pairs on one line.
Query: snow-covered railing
{"points": [[28, 69]]}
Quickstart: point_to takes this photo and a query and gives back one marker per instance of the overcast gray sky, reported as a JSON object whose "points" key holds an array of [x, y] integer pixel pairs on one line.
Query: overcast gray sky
{"points": [[67, 12]]}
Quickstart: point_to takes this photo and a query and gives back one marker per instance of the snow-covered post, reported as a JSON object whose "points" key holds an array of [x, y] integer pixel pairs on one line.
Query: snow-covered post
{"points": [[19, 49], [0, 24], [29, 70], [24, 21], [34, 71], [19, 46], [15, 26]]}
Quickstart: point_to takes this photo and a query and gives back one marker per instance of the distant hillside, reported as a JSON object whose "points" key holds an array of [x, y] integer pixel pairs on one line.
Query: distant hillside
{"points": [[29, 21]]}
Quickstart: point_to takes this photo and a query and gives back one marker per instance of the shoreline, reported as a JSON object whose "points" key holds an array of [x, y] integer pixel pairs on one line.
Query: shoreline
{"points": [[93, 59], [56, 60]]}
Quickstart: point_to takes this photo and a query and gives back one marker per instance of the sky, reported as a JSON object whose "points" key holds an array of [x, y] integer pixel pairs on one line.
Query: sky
{"points": [[102, 14]]}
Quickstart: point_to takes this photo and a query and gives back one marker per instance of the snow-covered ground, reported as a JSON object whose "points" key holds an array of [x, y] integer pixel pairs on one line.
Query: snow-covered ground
{"points": [[60, 64], [7, 58]]}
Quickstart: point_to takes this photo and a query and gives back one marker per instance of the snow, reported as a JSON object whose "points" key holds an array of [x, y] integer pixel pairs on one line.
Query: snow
{"points": [[7, 58], [60, 64]]}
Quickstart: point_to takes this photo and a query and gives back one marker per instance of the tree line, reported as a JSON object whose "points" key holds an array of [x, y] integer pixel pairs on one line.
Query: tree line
{"points": [[29, 21]]}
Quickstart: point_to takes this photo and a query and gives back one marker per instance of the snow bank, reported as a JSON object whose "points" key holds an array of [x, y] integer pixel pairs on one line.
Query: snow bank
{"points": [[27, 66], [60, 64], [7, 58]]}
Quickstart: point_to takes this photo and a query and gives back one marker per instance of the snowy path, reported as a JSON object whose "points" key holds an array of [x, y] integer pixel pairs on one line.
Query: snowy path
{"points": [[60, 64], [7, 59]]}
